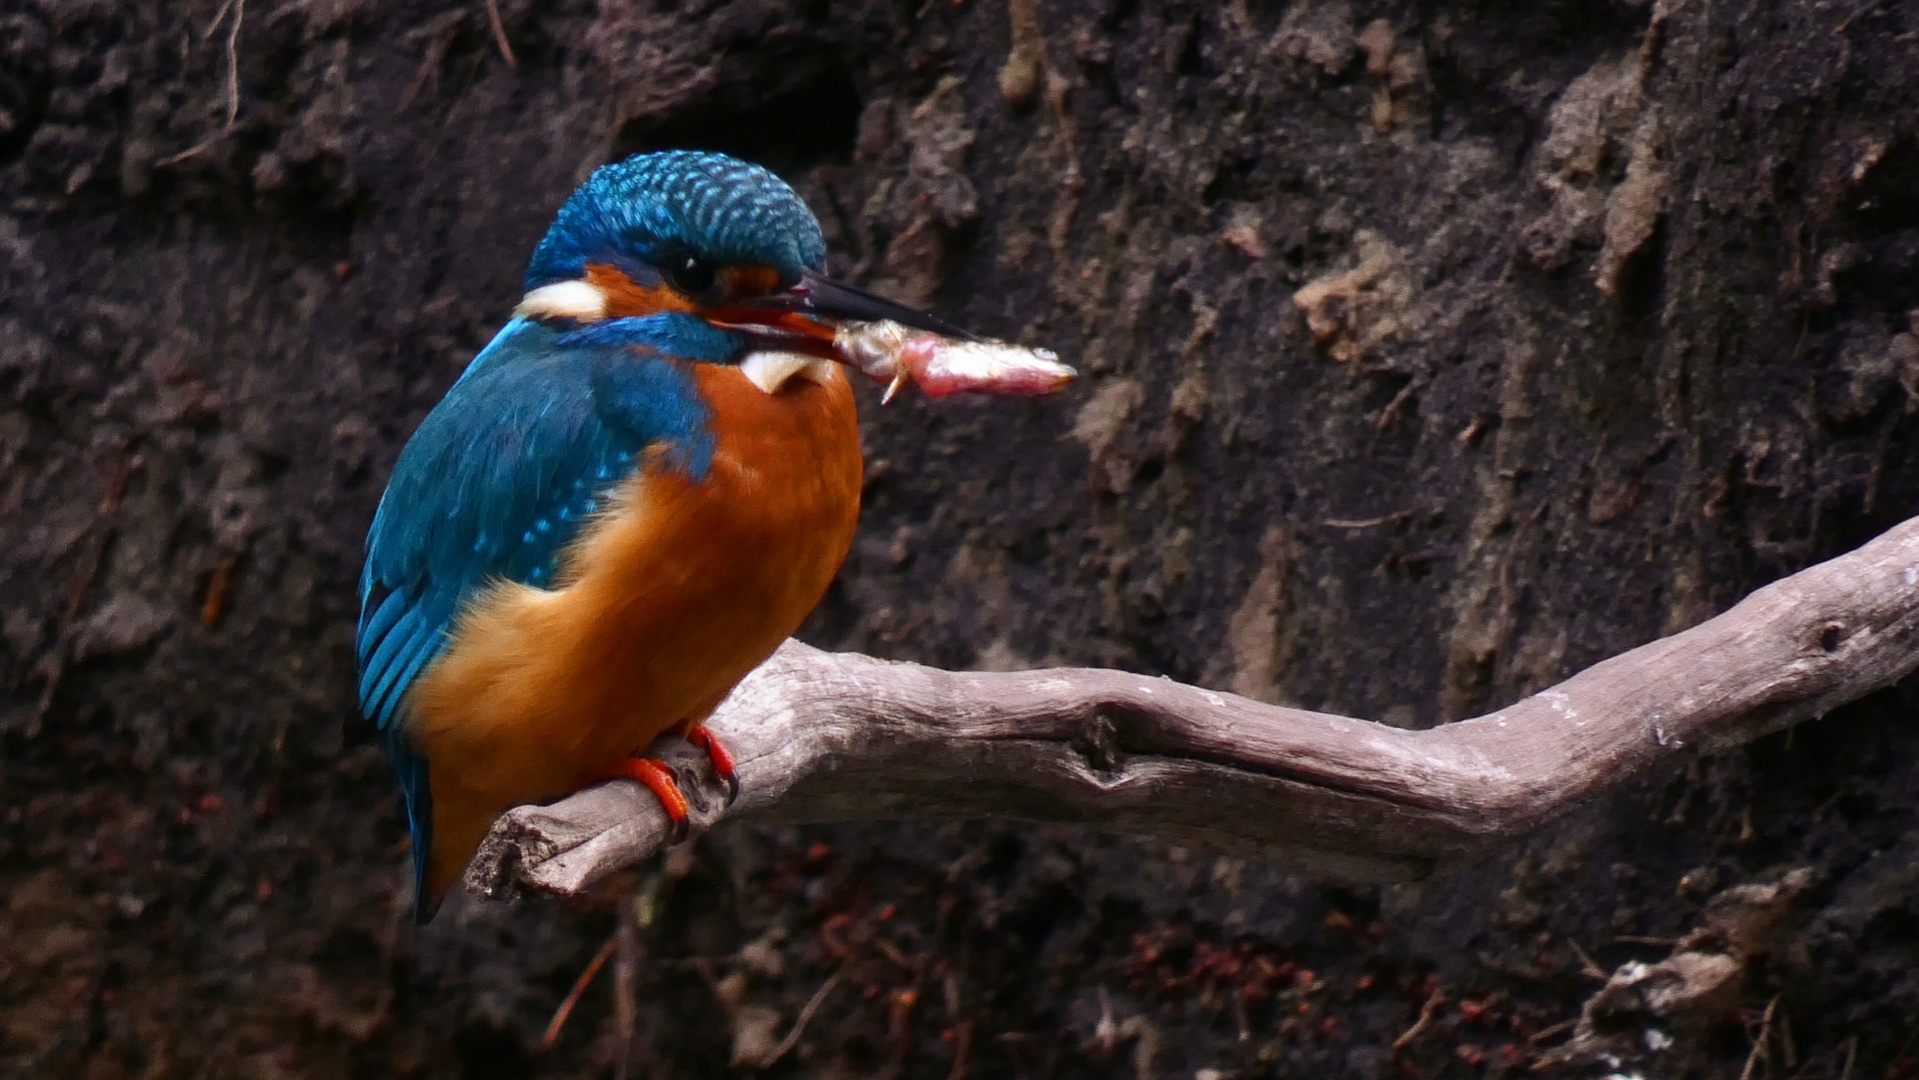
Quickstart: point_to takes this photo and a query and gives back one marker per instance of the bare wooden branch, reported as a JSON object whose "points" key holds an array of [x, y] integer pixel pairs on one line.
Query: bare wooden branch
{"points": [[833, 737]]}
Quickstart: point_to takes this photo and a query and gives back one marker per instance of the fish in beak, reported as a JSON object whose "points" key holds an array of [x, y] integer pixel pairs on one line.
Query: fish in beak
{"points": [[890, 342]]}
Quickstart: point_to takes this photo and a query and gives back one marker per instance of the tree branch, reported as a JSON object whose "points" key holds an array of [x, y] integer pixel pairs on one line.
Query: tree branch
{"points": [[834, 737]]}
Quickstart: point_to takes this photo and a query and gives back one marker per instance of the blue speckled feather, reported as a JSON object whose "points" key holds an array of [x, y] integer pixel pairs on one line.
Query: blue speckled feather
{"points": [[726, 209], [500, 477]]}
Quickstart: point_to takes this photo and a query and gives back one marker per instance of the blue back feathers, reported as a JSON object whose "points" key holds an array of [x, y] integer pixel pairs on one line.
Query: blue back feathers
{"points": [[548, 419], [502, 474], [633, 211]]}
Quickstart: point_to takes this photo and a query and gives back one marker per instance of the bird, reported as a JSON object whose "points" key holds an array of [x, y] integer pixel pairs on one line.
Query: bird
{"points": [[629, 498]]}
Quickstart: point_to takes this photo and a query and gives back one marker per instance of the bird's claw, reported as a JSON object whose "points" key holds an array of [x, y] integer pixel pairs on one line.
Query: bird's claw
{"points": [[657, 778], [721, 759]]}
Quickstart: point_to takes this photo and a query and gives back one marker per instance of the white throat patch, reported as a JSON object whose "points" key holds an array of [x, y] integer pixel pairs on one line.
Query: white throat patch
{"points": [[564, 300], [769, 369]]}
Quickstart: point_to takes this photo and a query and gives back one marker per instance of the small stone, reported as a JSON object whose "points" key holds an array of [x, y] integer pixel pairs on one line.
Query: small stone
{"points": [[763, 958], [123, 624], [756, 1035], [1376, 41]]}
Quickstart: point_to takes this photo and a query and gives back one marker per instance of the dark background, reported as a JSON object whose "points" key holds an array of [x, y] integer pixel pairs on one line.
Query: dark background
{"points": [[1620, 326]]}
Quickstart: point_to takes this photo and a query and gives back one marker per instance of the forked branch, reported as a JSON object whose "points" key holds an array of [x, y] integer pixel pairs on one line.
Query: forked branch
{"points": [[834, 737]]}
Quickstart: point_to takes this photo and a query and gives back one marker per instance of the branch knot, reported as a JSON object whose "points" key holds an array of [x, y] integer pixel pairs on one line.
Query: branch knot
{"points": [[1098, 742]]}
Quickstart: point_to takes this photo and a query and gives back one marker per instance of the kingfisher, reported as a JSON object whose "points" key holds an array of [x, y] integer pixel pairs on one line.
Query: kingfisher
{"points": [[625, 503]]}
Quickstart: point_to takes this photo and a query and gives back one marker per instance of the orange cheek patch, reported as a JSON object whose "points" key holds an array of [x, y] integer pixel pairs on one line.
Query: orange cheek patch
{"points": [[626, 298], [749, 280]]}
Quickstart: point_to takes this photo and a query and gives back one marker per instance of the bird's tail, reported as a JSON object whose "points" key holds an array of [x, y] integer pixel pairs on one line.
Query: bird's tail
{"points": [[412, 771]]}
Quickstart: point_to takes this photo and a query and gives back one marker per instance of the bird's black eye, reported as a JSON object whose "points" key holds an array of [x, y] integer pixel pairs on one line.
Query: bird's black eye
{"points": [[689, 273]]}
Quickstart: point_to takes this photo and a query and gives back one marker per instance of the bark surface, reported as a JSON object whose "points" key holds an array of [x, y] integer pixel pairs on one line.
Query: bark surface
{"points": [[819, 736]]}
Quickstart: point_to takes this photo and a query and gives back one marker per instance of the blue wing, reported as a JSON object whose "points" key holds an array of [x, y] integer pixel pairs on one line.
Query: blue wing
{"points": [[501, 475]]}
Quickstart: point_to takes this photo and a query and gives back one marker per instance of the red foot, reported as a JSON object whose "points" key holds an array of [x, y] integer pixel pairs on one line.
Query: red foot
{"points": [[659, 780], [722, 761]]}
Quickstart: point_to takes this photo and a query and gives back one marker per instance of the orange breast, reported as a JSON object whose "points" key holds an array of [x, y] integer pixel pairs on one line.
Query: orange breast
{"points": [[665, 603]]}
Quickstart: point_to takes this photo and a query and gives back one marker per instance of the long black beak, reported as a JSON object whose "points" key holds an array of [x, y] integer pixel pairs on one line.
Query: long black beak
{"points": [[825, 299]]}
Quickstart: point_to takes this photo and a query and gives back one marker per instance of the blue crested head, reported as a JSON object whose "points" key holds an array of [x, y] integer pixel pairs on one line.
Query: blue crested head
{"points": [[695, 256], [655, 213]]}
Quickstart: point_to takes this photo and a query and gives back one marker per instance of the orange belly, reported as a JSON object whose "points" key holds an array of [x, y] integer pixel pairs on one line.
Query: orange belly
{"points": [[662, 606]]}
